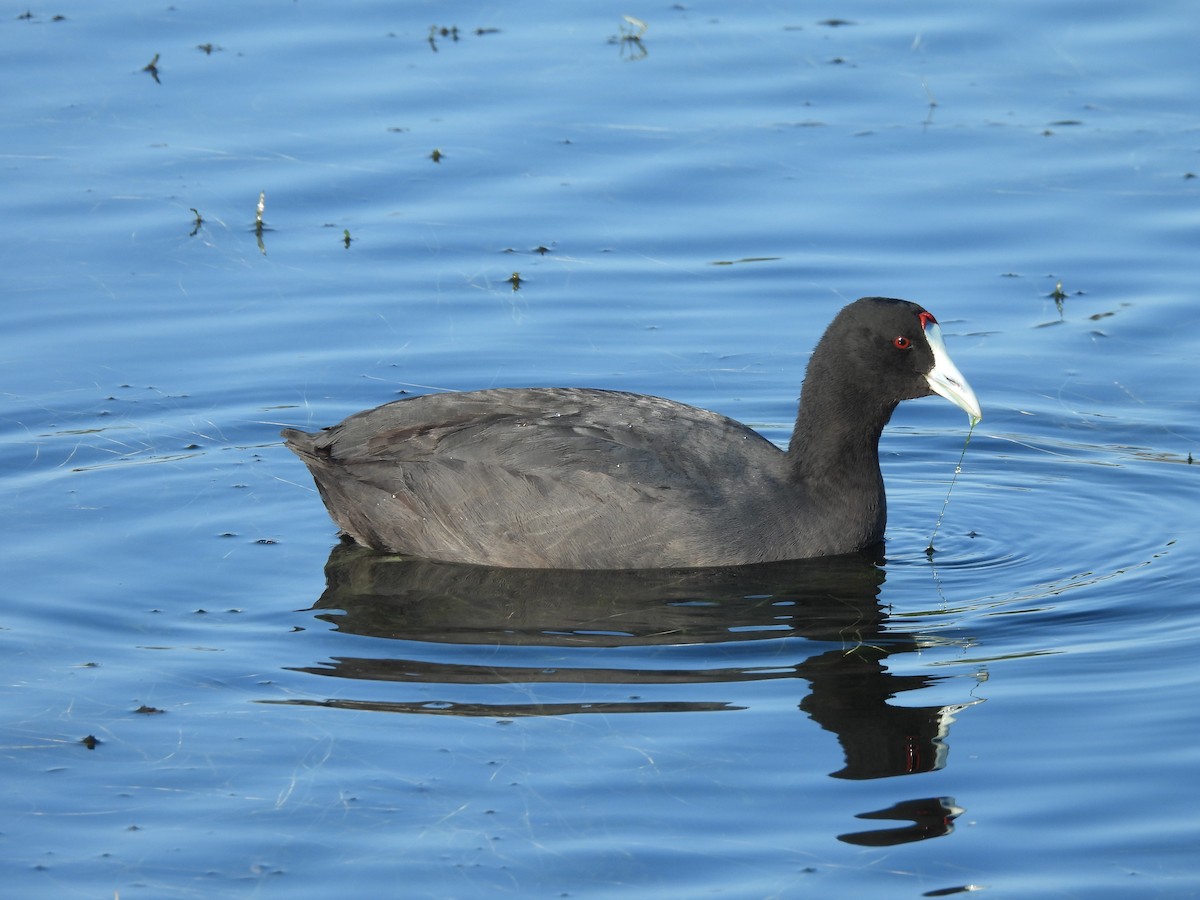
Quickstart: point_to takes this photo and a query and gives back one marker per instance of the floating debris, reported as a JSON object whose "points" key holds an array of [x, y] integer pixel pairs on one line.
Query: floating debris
{"points": [[745, 259], [1058, 296], [435, 32], [957, 889], [152, 68], [259, 227], [28, 16], [436, 155], [629, 39]]}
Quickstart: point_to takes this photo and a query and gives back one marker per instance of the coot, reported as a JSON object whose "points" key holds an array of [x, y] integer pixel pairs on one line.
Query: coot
{"points": [[574, 478]]}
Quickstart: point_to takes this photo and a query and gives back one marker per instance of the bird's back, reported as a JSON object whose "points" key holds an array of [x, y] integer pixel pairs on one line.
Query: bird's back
{"points": [[547, 477]]}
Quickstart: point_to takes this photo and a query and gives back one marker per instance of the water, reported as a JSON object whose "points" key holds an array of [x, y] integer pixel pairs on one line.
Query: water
{"points": [[1016, 714]]}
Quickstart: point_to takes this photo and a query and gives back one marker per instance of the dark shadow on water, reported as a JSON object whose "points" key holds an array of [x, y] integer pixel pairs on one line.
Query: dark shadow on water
{"points": [[929, 817], [658, 638], [820, 621]]}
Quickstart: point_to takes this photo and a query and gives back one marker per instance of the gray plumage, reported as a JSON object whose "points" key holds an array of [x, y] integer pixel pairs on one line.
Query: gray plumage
{"points": [[577, 478]]}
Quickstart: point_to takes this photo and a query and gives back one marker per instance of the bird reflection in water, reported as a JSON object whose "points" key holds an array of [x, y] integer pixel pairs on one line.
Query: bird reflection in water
{"points": [[826, 610]]}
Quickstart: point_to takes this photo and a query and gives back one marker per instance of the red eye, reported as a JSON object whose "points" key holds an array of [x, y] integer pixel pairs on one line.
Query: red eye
{"points": [[901, 342]]}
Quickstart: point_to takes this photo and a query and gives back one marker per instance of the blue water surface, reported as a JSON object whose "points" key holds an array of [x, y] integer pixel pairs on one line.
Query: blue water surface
{"points": [[204, 695]]}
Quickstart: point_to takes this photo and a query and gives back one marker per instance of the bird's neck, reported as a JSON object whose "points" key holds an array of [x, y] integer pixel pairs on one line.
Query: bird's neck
{"points": [[836, 438]]}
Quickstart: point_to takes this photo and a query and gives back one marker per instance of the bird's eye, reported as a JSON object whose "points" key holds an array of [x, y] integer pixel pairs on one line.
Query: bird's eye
{"points": [[901, 342]]}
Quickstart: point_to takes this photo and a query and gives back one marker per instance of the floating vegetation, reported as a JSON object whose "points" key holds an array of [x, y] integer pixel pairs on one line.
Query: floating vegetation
{"points": [[209, 48], [152, 68], [1058, 296], [452, 34], [346, 239], [1048, 131], [540, 249], [515, 280], [436, 155], [629, 39], [259, 226], [29, 16], [196, 224], [932, 102], [435, 32], [957, 889], [745, 259]]}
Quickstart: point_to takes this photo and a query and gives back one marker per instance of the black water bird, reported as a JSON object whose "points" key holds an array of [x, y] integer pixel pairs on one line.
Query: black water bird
{"points": [[574, 478]]}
